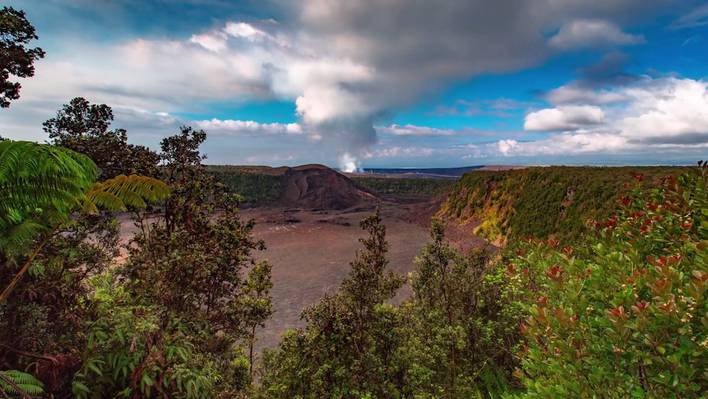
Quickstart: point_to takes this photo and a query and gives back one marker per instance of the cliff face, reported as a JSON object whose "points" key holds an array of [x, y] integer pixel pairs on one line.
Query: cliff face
{"points": [[541, 202]]}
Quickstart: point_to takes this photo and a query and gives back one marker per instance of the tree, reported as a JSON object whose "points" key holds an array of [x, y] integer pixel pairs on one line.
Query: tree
{"points": [[368, 285], [16, 58], [199, 277], [84, 128], [186, 271], [461, 324], [50, 229], [347, 349], [39, 187], [256, 305], [42, 185]]}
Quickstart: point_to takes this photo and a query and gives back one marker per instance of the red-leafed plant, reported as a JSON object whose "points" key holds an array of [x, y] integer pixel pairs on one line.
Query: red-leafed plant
{"points": [[623, 314]]}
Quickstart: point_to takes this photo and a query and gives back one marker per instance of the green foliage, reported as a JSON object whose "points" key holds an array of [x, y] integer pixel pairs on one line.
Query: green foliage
{"points": [[39, 187], [132, 351], [195, 270], [173, 321], [48, 307], [255, 188], [623, 313], [15, 383], [454, 338], [489, 229], [542, 202], [83, 127], [16, 32], [410, 187], [42, 185], [256, 304], [347, 348], [460, 326], [123, 192]]}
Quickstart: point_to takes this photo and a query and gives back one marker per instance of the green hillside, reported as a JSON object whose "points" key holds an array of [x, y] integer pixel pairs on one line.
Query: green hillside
{"points": [[542, 202], [255, 188], [401, 186]]}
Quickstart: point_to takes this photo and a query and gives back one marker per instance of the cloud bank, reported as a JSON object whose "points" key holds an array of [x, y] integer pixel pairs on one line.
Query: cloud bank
{"points": [[348, 65], [656, 114]]}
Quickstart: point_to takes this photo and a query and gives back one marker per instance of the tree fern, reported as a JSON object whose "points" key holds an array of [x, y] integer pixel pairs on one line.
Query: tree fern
{"points": [[17, 384], [39, 184], [121, 192]]}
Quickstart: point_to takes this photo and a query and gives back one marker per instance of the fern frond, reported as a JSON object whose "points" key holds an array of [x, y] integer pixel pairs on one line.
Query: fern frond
{"points": [[36, 181], [121, 192], [18, 383]]}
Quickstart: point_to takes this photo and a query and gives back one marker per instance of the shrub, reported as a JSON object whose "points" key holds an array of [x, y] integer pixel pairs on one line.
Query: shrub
{"points": [[623, 313]]}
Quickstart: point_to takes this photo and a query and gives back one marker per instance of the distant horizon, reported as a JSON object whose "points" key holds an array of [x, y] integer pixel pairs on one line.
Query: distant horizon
{"points": [[369, 168]]}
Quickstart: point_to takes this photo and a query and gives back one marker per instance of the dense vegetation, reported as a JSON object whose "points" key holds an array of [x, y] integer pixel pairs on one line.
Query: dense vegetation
{"points": [[613, 308], [255, 188], [176, 319], [542, 202], [622, 313], [405, 187], [454, 338]]}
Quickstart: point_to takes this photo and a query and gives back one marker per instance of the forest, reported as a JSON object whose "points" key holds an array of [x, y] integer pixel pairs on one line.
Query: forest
{"points": [[607, 302], [545, 202]]}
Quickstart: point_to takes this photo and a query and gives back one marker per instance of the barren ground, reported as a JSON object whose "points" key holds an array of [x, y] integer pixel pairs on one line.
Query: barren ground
{"points": [[310, 257], [310, 251]]}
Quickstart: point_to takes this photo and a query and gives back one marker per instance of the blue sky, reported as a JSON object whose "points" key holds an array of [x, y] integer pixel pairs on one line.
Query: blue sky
{"points": [[384, 84]]}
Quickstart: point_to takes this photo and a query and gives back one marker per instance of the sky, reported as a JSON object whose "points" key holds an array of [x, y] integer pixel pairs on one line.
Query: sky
{"points": [[383, 83]]}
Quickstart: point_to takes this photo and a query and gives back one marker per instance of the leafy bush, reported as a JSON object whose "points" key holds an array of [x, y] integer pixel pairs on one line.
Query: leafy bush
{"points": [[623, 313], [133, 351]]}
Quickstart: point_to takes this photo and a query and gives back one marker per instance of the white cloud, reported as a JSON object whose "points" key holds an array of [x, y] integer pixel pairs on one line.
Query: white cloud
{"points": [[506, 147], [574, 94], [403, 152], [238, 127], [656, 116], [570, 117], [344, 65], [215, 41], [564, 144], [413, 130], [667, 110], [246, 31], [582, 33]]}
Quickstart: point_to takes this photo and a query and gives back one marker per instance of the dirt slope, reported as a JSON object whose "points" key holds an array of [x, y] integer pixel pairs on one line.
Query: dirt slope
{"points": [[317, 186]]}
